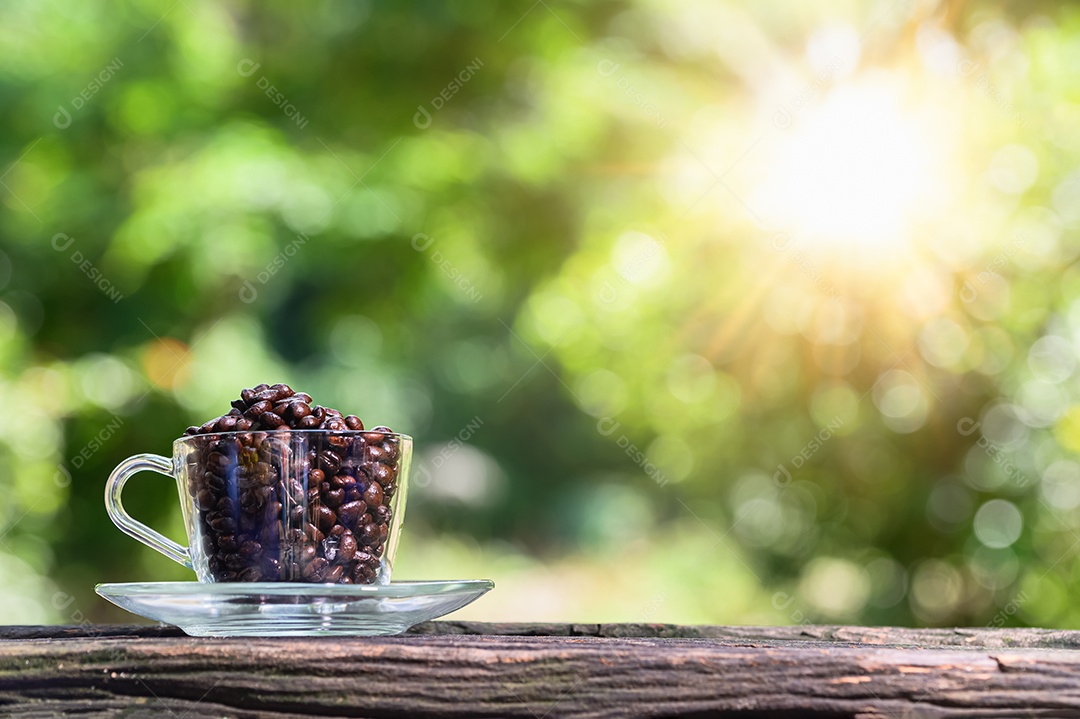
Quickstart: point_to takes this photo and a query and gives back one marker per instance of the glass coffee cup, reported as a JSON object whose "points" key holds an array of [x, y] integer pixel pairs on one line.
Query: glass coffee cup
{"points": [[286, 505]]}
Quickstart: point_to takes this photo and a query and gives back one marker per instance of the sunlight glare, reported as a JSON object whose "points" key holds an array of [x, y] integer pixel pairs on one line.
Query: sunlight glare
{"points": [[856, 171]]}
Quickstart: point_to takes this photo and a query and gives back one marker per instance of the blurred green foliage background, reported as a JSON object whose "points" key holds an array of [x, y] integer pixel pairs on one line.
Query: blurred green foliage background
{"points": [[699, 311]]}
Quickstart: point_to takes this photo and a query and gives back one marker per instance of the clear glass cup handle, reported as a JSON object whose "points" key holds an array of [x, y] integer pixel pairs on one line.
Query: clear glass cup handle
{"points": [[150, 537]]}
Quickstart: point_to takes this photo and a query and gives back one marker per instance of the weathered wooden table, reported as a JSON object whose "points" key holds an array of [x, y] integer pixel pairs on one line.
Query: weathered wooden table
{"points": [[451, 669]]}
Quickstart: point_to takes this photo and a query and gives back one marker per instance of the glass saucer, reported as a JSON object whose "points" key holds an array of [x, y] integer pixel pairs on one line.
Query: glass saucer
{"points": [[288, 609]]}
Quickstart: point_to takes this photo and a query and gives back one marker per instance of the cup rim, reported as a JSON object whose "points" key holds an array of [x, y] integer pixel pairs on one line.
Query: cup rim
{"points": [[286, 430]]}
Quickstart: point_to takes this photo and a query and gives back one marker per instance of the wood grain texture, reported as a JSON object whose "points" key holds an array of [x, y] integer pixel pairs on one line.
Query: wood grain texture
{"points": [[455, 669]]}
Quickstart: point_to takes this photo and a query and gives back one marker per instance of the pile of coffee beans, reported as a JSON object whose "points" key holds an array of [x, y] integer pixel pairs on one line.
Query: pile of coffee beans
{"points": [[271, 503]]}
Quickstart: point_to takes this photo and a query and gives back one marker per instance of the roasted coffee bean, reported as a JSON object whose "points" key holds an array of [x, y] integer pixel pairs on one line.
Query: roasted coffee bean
{"points": [[329, 462], [333, 574], [204, 500], [334, 498], [227, 542], [325, 517], [250, 549], [347, 547], [247, 396], [369, 533], [363, 574], [312, 533], [271, 420], [248, 522], [391, 450], [383, 473], [349, 513], [381, 514], [315, 569], [353, 422], [225, 424], [235, 562], [251, 574], [267, 395], [223, 524], [373, 494], [257, 409]]}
